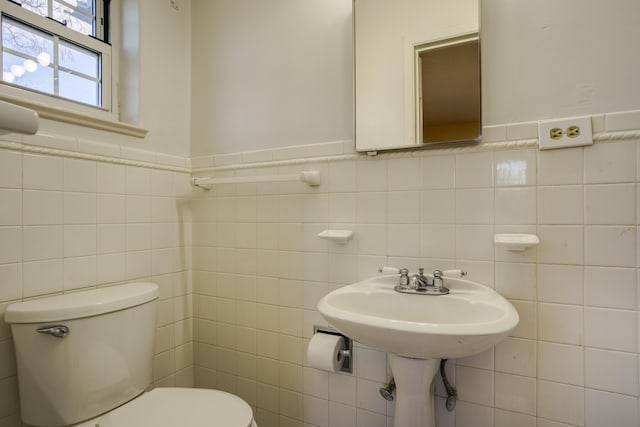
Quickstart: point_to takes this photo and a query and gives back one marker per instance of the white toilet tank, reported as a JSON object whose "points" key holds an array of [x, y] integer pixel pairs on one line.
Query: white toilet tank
{"points": [[103, 361]]}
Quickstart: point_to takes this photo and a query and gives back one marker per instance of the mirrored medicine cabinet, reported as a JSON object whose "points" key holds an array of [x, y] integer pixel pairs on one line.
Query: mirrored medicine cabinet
{"points": [[417, 73]]}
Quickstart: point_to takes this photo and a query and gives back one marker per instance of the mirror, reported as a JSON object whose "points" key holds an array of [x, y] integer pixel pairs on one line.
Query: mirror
{"points": [[417, 73]]}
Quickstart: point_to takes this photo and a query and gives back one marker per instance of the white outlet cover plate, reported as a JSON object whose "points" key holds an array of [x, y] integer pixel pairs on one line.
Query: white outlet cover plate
{"points": [[585, 138]]}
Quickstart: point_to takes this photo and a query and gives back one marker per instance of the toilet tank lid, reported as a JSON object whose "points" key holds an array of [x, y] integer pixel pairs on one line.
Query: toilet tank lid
{"points": [[81, 304]]}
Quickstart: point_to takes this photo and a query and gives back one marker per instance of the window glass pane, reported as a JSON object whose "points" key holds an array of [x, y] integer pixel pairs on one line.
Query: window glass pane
{"points": [[25, 40], [85, 7], [26, 56], [14, 70], [78, 89], [41, 7], [74, 17], [79, 15], [79, 59]]}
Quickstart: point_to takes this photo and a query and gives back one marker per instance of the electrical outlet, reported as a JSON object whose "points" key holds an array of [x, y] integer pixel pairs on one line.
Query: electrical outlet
{"points": [[572, 132]]}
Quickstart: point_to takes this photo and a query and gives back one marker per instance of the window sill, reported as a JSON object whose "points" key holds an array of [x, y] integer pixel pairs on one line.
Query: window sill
{"points": [[75, 118]]}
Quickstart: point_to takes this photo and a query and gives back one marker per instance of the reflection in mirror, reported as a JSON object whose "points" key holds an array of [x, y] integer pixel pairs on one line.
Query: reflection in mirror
{"points": [[417, 73], [448, 91]]}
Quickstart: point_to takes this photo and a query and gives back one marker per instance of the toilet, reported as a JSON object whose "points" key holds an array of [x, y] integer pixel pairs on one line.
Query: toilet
{"points": [[84, 360]]}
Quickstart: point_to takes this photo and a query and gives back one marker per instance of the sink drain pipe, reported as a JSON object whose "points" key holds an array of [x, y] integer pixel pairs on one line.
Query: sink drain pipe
{"points": [[452, 393], [387, 391]]}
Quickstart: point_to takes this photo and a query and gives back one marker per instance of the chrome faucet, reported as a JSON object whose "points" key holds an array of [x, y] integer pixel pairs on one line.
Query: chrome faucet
{"points": [[404, 278], [421, 284]]}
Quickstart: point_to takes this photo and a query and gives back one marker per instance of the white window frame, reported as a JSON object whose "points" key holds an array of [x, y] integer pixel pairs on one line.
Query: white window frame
{"points": [[53, 107]]}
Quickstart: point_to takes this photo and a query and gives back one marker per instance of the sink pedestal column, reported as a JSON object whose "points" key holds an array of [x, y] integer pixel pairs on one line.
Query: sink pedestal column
{"points": [[414, 391]]}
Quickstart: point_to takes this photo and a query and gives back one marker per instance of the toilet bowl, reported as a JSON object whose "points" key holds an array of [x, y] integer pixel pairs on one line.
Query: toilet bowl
{"points": [[171, 407], [84, 360]]}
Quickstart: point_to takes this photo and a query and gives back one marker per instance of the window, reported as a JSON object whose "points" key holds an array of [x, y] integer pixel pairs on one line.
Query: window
{"points": [[58, 48]]}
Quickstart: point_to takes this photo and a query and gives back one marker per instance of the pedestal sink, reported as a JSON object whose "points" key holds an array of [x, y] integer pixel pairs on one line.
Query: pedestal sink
{"points": [[418, 331]]}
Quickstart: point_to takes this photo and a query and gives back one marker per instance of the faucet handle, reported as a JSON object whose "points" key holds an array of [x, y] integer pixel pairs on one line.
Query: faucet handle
{"points": [[437, 278], [454, 273], [391, 270]]}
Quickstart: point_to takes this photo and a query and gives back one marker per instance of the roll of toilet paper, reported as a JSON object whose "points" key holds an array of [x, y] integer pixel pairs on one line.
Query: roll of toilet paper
{"points": [[324, 352]]}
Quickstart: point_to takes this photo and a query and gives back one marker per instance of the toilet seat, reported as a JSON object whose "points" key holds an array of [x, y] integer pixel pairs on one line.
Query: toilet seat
{"points": [[185, 407]]}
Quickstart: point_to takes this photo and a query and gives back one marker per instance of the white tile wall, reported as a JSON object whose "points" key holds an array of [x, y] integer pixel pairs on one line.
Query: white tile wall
{"points": [[572, 360], [258, 271], [66, 224]]}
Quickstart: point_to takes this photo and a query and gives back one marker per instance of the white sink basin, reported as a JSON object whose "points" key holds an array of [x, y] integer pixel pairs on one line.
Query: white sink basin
{"points": [[470, 319]]}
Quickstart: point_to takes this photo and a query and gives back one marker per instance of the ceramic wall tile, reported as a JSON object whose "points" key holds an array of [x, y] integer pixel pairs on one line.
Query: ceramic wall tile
{"points": [[560, 245], [560, 205], [79, 240], [80, 175], [403, 207], [404, 174], [80, 272], [42, 207], [475, 206], [372, 175], [625, 120], [504, 418], [560, 402], [604, 408], [474, 170], [42, 277], [515, 393], [342, 207], [561, 284], [341, 415], [610, 163], [516, 356], [611, 371], [561, 167], [561, 324], [80, 208], [342, 177], [10, 281], [610, 246], [10, 169], [402, 240], [110, 208], [610, 287], [372, 239], [515, 168], [438, 207], [42, 172], [438, 241], [368, 396], [10, 207], [42, 242], [473, 414], [561, 363], [516, 280], [474, 242], [515, 206], [475, 385], [438, 172], [111, 178], [610, 204], [599, 322]]}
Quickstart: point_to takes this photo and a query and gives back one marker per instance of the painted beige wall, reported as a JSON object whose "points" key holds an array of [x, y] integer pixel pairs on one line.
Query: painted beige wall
{"points": [[274, 74], [549, 58], [270, 74]]}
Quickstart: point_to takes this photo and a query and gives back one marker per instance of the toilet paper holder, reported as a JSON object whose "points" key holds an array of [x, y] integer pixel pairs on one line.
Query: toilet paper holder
{"points": [[347, 350]]}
